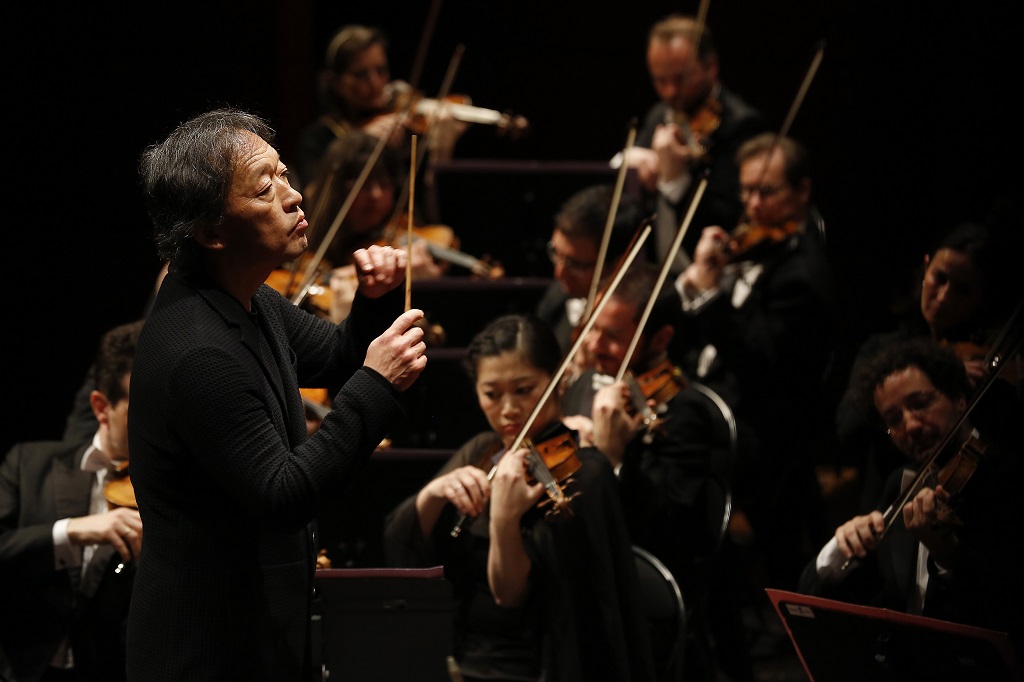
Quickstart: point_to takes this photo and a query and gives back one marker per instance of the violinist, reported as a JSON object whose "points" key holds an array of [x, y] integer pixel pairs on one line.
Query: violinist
{"points": [[574, 249], [964, 570], [537, 596], [664, 468], [759, 329], [357, 93], [65, 605], [369, 218], [697, 124]]}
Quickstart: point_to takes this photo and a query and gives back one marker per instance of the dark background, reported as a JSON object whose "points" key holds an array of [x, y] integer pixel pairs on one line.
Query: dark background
{"points": [[908, 120]]}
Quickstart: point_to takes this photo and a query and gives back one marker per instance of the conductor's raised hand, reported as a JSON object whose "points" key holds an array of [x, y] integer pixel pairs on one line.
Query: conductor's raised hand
{"points": [[379, 269], [399, 353]]}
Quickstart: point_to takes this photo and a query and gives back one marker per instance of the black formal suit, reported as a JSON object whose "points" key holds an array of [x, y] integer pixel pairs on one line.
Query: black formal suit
{"points": [[773, 353], [673, 484], [227, 482], [41, 483], [665, 475], [551, 309], [984, 588], [720, 204]]}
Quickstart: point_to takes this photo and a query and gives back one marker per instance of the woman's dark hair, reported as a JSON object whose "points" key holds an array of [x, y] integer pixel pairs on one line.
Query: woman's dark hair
{"points": [[527, 335]]}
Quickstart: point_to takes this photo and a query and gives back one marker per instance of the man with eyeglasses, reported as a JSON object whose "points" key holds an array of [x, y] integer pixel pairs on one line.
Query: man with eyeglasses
{"points": [[916, 557], [574, 248], [759, 330]]}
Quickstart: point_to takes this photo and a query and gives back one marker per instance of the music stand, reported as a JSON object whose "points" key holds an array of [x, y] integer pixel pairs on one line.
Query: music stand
{"points": [[837, 642], [382, 624]]}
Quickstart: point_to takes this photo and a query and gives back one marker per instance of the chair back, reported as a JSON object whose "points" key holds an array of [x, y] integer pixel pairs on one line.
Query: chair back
{"points": [[661, 603], [719, 509]]}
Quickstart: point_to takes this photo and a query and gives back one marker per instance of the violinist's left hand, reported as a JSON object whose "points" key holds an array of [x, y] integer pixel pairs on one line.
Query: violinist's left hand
{"points": [[583, 426], [645, 161], [709, 261], [380, 268], [922, 519], [673, 155], [386, 126], [444, 133], [511, 494], [615, 425], [423, 264]]}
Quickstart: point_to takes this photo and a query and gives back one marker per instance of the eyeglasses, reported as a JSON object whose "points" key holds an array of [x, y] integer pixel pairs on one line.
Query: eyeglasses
{"points": [[764, 191], [567, 262], [917, 404]]}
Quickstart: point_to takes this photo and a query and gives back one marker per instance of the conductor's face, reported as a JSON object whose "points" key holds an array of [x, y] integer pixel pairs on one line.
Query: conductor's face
{"points": [[263, 223]]}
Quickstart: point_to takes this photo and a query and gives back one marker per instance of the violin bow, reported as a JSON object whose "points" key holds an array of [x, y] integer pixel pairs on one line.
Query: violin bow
{"points": [[449, 78], [517, 443], [408, 238], [421, 51], [314, 264], [794, 107], [998, 361], [602, 252], [663, 275]]}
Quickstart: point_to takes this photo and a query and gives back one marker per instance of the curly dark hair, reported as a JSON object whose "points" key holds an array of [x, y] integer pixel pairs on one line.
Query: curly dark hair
{"points": [[939, 363]]}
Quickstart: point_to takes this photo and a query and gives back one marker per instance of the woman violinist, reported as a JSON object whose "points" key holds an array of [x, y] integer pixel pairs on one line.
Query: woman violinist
{"points": [[357, 93], [537, 596], [369, 217]]}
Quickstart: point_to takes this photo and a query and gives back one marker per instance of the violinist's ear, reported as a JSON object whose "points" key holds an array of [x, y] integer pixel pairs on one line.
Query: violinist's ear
{"points": [[210, 237], [804, 191], [99, 403], [661, 339]]}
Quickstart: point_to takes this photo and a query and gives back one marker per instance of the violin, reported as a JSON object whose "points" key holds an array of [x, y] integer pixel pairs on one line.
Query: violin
{"points": [[695, 129], [659, 384], [443, 246], [971, 351], [750, 236], [286, 280], [421, 110], [558, 453], [118, 491], [955, 474], [552, 462]]}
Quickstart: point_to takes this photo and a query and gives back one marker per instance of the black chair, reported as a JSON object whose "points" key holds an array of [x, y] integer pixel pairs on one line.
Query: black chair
{"points": [[719, 508], [718, 513], [661, 602]]}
